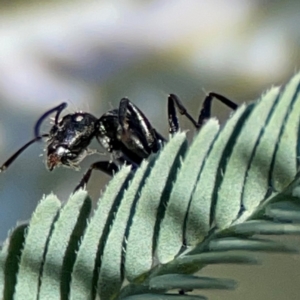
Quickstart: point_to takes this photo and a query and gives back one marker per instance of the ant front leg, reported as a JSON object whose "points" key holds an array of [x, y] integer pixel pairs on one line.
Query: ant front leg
{"points": [[107, 167]]}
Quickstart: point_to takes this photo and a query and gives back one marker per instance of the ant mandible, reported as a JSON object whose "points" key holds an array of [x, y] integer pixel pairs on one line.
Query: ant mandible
{"points": [[125, 132]]}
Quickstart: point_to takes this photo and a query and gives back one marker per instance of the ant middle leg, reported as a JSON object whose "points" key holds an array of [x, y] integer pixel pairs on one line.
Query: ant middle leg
{"points": [[205, 113], [173, 101], [137, 133]]}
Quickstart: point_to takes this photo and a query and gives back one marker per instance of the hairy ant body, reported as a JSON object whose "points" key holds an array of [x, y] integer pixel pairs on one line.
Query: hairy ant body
{"points": [[125, 132]]}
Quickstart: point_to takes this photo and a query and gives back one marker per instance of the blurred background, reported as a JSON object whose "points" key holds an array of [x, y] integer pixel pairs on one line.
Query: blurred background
{"points": [[92, 53]]}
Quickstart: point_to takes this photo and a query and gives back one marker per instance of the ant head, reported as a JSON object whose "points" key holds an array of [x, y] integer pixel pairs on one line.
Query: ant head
{"points": [[68, 140]]}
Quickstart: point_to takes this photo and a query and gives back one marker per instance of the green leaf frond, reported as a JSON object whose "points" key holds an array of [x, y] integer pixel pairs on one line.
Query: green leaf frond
{"points": [[183, 209]]}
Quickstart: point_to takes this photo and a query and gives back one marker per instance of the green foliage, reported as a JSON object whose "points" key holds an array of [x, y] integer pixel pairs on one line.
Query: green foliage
{"points": [[183, 209]]}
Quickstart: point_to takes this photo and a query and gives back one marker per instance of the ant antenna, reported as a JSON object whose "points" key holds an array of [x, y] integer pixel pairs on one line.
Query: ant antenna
{"points": [[58, 110], [15, 155]]}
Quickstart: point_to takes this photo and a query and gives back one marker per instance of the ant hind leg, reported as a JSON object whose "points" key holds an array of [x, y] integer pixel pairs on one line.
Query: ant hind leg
{"points": [[205, 112]]}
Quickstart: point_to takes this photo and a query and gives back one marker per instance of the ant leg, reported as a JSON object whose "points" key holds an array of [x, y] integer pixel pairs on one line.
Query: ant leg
{"points": [[182, 110], [172, 116], [105, 166], [205, 112], [137, 132], [15, 155]]}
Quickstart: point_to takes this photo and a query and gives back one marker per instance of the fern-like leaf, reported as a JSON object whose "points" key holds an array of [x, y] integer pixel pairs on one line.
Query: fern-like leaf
{"points": [[183, 209]]}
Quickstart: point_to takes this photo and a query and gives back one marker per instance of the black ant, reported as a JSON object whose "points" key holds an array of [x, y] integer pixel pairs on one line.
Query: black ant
{"points": [[125, 132]]}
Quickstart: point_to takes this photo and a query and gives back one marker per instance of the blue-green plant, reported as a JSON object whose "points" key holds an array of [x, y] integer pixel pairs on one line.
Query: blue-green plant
{"points": [[183, 209]]}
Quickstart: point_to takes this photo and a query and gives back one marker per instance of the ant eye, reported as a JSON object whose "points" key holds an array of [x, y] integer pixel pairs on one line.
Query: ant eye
{"points": [[79, 118], [53, 129]]}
